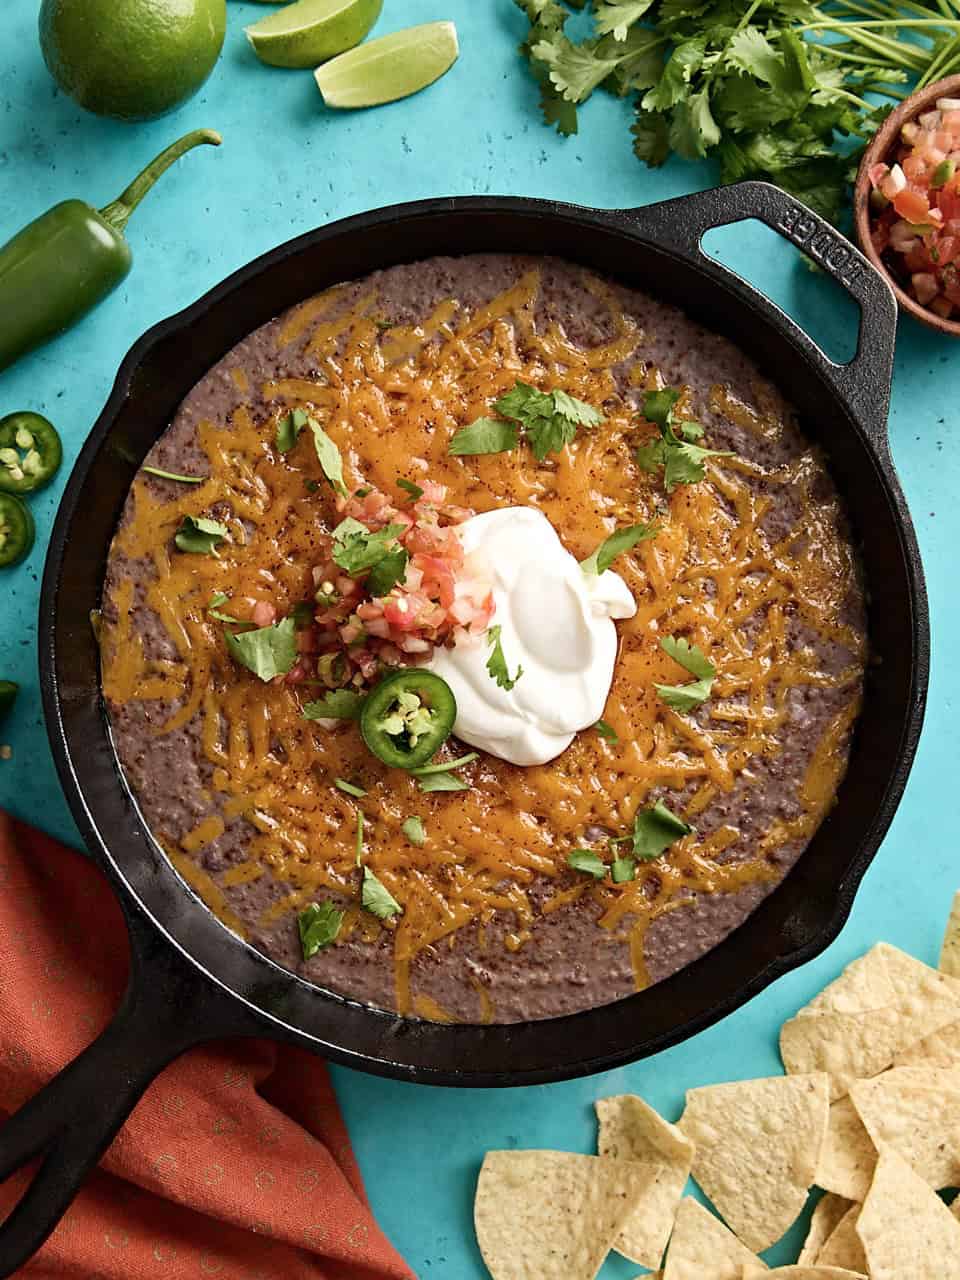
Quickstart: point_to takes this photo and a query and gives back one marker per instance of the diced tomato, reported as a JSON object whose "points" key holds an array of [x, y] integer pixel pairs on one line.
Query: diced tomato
{"points": [[911, 205], [263, 613], [924, 287], [876, 173], [942, 306]]}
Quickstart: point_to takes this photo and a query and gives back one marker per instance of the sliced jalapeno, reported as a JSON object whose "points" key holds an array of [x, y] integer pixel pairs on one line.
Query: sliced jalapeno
{"points": [[17, 530], [407, 717], [30, 452], [8, 696]]}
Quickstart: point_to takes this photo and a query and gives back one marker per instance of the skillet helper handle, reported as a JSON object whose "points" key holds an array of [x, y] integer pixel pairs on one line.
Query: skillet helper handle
{"points": [[168, 1008], [864, 383]]}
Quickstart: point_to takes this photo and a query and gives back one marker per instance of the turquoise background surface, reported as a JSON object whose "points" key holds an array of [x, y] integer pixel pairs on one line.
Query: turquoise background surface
{"points": [[286, 165]]}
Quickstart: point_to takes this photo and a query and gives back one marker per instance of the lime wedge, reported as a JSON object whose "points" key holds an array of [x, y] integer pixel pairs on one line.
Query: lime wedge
{"points": [[389, 67], [310, 31]]}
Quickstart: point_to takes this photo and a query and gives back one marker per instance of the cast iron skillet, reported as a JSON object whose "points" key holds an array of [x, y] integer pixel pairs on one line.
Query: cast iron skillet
{"points": [[191, 979]]}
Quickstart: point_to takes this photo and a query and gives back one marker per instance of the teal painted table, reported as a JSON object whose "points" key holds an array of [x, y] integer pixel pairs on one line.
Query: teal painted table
{"points": [[286, 165]]}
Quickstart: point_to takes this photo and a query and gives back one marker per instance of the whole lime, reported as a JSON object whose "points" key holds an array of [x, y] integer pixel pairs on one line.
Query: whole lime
{"points": [[131, 59]]}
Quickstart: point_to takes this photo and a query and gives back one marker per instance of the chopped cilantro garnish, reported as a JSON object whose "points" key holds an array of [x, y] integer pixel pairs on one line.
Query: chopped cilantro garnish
{"points": [[331, 463], [200, 535], [302, 614], [356, 548], [654, 830], [266, 651], [623, 870], [606, 731], [445, 766], [681, 459], [348, 788], [618, 542], [414, 490], [413, 829], [588, 862], [213, 608], [497, 663], [376, 898], [684, 697], [388, 571], [338, 704], [358, 848], [172, 475], [319, 926], [548, 419], [289, 426], [442, 782]]}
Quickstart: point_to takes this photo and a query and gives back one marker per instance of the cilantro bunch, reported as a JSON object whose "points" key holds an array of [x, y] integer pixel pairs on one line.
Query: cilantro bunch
{"points": [[766, 88]]}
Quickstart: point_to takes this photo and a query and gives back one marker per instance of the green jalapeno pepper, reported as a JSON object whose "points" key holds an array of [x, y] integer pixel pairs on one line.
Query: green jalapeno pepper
{"points": [[61, 265], [30, 452], [407, 717], [8, 696], [17, 530]]}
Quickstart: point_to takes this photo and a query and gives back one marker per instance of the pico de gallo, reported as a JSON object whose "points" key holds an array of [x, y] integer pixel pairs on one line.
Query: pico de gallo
{"points": [[421, 590], [916, 203]]}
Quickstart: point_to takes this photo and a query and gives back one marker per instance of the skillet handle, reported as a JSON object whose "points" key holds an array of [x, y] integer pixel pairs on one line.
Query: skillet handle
{"points": [[168, 1007], [680, 225]]}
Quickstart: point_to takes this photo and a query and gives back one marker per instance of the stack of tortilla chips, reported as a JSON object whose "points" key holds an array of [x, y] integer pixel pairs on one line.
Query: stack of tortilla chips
{"points": [[869, 1111]]}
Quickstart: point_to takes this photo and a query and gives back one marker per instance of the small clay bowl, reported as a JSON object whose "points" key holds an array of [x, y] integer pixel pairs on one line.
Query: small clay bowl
{"points": [[884, 142]]}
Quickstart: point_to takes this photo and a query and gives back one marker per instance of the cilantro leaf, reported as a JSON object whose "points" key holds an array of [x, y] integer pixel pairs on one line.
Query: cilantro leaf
{"points": [[654, 830], [651, 138], [693, 130], [338, 704], [414, 830], [558, 112], [173, 475], [623, 870], [213, 608], [584, 415], [388, 571], [416, 493], [200, 536], [684, 62], [288, 430], [331, 463], [376, 898], [617, 16], [497, 663], [266, 651], [681, 459], [319, 926], [749, 50], [575, 69], [445, 766], [685, 697], [606, 731], [348, 788], [689, 656], [588, 862], [442, 782], [485, 435], [618, 542], [356, 548]]}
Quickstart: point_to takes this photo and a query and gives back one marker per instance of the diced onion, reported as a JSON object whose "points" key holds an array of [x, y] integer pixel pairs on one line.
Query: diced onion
{"points": [[948, 104]]}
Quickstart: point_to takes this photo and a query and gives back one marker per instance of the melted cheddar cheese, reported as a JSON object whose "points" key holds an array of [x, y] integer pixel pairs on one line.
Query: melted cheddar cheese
{"points": [[391, 400]]}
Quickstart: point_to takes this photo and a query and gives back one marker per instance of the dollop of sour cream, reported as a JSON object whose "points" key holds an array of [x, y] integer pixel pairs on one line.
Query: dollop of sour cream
{"points": [[556, 622]]}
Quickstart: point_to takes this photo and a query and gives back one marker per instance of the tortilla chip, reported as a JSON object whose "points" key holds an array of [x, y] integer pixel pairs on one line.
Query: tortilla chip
{"points": [[916, 1112], [849, 1157], [701, 1248], [552, 1215], [848, 1046], [950, 951], [843, 1249], [863, 985], [928, 1000], [905, 1228], [757, 1147], [852, 1043], [810, 1273], [940, 1049], [630, 1129], [830, 1209]]}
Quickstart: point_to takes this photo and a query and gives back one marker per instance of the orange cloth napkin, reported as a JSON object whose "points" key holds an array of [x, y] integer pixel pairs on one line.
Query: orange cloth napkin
{"points": [[235, 1164]]}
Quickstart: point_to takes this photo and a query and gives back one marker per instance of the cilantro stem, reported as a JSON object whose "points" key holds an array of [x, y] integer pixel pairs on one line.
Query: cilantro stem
{"points": [[909, 23], [841, 52]]}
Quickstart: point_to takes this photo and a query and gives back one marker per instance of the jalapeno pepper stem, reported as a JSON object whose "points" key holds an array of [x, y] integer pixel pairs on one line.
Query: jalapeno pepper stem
{"points": [[118, 212]]}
